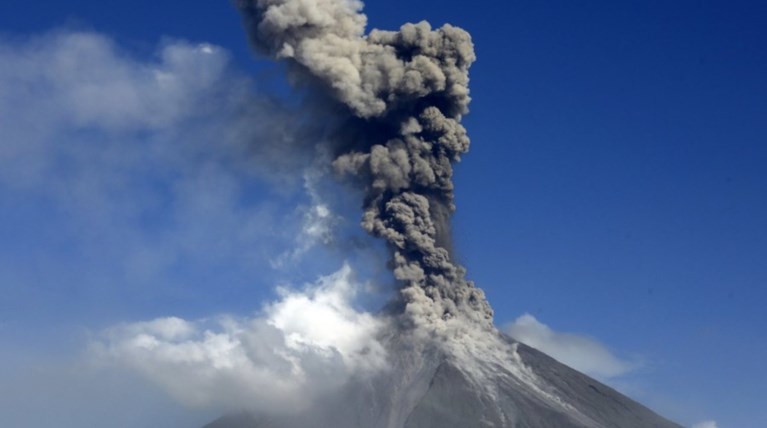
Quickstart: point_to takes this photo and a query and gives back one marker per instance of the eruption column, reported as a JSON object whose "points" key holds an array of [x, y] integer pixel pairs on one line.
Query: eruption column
{"points": [[405, 93]]}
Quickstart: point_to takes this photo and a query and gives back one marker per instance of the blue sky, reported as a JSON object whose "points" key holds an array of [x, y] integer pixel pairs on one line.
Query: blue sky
{"points": [[615, 188]]}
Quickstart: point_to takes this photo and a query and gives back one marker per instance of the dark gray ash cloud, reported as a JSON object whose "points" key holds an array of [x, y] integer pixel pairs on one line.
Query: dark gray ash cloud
{"points": [[402, 95]]}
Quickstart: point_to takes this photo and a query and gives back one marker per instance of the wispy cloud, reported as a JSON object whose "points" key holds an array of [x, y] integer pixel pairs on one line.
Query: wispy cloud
{"points": [[319, 224], [705, 424], [580, 352], [118, 168]]}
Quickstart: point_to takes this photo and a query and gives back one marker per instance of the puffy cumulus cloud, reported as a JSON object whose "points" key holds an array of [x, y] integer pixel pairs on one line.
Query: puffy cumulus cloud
{"points": [[306, 343], [579, 352], [705, 424]]}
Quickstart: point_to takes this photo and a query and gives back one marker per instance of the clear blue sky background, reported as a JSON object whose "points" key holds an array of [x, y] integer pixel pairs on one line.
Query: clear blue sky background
{"points": [[616, 187]]}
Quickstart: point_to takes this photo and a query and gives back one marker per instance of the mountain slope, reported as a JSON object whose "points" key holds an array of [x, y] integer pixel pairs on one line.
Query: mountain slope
{"points": [[431, 390]]}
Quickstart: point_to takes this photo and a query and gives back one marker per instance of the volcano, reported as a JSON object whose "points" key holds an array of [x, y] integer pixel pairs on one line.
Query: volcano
{"points": [[432, 389], [398, 98]]}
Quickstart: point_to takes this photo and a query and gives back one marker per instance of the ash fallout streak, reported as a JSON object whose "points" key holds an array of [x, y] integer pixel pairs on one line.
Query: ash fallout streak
{"points": [[405, 93]]}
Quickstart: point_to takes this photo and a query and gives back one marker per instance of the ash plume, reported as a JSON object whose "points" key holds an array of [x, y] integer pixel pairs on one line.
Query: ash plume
{"points": [[402, 95], [395, 101]]}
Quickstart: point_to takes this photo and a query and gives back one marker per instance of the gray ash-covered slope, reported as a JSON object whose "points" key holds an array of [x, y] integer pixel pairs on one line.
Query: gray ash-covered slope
{"points": [[439, 393], [451, 401]]}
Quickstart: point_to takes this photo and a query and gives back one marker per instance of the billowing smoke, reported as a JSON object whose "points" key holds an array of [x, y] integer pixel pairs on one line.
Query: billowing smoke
{"points": [[403, 94], [395, 101]]}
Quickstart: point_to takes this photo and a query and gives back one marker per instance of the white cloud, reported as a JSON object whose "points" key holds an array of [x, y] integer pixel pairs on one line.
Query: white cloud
{"points": [[577, 351], [705, 424], [305, 344]]}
